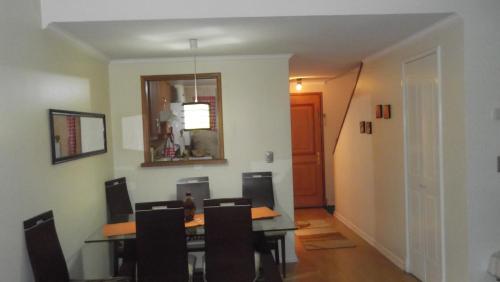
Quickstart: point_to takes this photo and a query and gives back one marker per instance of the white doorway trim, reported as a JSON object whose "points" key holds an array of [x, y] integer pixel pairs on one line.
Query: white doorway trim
{"points": [[436, 51]]}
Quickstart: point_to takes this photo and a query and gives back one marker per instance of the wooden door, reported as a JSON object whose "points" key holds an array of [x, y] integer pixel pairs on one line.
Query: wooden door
{"points": [[423, 169], [307, 149]]}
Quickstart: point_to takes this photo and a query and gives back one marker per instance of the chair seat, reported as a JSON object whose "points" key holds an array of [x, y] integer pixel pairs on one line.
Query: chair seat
{"points": [[195, 245], [114, 279], [275, 233]]}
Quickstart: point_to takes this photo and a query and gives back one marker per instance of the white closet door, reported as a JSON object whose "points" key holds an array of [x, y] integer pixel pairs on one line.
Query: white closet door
{"points": [[422, 121]]}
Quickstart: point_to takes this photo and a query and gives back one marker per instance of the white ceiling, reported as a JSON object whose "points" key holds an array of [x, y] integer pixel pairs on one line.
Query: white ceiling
{"points": [[321, 45]]}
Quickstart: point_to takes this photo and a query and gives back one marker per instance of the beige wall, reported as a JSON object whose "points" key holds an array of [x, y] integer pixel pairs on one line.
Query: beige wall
{"points": [[256, 118], [335, 102], [39, 71], [336, 94], [375, 203]]}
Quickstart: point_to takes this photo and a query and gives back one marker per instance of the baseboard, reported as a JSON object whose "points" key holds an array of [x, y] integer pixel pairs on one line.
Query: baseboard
{"points": [[399, 262], [291, 259]]}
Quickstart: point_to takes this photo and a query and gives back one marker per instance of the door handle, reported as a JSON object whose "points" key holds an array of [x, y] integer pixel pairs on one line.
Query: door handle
{"points": [[318, 158]]}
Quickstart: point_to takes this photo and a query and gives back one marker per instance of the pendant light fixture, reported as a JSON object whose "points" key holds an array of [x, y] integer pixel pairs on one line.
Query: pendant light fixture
{"points": [[196, 114]]}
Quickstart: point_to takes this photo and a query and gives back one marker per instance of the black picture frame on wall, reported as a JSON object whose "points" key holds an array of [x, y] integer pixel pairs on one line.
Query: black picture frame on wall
{"points": [[368, 127], [96, 134], [386, 111], [378, 111], [362, 127]]}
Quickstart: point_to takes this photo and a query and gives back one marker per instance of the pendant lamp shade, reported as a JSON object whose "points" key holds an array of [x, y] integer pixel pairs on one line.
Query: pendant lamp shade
{"points": [[196, 116]]}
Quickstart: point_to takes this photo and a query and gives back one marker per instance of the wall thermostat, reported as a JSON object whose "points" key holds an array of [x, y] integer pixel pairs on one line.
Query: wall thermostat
{"points": [[269, 157]]}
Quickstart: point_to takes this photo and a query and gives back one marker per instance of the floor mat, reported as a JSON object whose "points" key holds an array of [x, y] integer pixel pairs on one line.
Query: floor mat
{"points": [[306, 233], [333, 240], [313, 223]]}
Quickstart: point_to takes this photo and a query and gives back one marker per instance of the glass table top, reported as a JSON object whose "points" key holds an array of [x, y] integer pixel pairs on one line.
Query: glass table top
{"points": [[279, 223], [95, 259]]}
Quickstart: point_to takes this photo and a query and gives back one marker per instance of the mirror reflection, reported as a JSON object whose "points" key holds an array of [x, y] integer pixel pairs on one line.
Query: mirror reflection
{"points": [[75, 135], [171, 135]]}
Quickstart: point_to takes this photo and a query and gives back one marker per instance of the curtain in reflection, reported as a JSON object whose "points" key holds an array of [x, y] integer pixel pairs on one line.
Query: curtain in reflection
{"points": [[71, 120]]}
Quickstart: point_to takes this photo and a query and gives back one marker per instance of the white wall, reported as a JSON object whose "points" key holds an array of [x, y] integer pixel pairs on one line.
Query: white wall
{"points": [[375, 203], [39, 71], [256, 115], [336, 93], [96, 10]]}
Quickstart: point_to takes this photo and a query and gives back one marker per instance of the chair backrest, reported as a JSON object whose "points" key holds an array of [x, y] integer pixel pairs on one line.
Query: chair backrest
{"points": [[118, 200], [258, 186], [145, 206], [229, 248], [198, 187], [227, 202], [44, 250], [161, 245]]}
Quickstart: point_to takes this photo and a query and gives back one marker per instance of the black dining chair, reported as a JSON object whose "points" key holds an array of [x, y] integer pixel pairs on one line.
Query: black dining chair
{"points": [[258, 186], [118, 200], [157, 205], [45, 253], [161, 245], [227, 202], [119, 210], [197, 186], [229, 244]]}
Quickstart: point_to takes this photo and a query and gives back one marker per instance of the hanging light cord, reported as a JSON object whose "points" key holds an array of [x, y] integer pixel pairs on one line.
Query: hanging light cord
{"points": [[195, 82], [193, 44]]}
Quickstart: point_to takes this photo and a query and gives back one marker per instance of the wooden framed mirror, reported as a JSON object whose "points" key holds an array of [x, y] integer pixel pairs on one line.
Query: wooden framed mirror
{"points": [[166, 141], [75, 135]]}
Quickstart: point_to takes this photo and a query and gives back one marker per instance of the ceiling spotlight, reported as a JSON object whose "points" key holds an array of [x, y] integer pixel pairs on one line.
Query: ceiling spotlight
{"points": [[298, 85]]}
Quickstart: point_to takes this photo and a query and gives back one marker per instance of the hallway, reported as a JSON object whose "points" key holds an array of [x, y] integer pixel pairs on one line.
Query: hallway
{"points": [[360, 264]]}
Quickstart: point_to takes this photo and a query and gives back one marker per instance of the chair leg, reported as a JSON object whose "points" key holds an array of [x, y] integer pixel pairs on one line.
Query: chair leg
{"points": [[114, 257], [283, 256], [276, 252], [271, 271]]}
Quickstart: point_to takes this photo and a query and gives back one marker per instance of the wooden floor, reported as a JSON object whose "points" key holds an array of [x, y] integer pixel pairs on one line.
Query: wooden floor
{"points": [[360, 264]]}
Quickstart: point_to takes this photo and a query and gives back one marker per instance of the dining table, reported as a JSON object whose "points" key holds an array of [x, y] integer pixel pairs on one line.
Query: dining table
{"points": [[97, 254], [279, 221]]}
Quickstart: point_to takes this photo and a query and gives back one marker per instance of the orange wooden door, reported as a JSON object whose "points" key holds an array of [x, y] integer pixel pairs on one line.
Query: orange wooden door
{"points": [[307, 149]]}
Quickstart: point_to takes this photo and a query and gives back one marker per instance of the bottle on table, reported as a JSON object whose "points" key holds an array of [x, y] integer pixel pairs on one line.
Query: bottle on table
{"points": [[189, 207]]}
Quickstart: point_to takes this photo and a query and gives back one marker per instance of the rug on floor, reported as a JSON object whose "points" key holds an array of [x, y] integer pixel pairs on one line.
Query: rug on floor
{"points": [[306, 233], [312, 223], [331, 240]]}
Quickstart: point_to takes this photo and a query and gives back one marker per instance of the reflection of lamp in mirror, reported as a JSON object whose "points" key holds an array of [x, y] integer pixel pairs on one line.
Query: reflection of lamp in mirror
{"points": [[196, 115]]}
